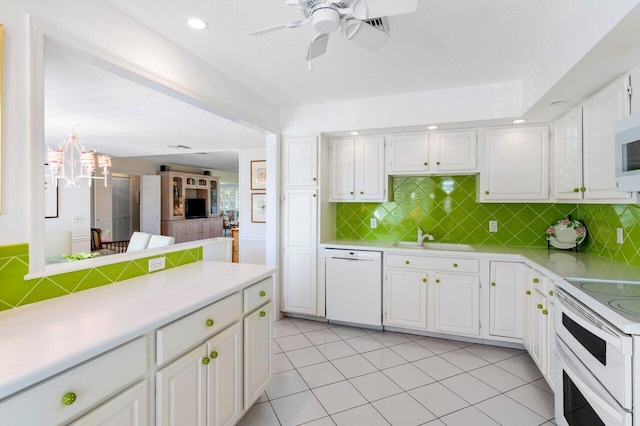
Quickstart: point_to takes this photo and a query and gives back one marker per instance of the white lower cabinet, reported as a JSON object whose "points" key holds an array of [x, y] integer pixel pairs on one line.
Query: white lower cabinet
{"points": [[258, 337], [456, 303], [299, 283], [505, 299], [130, 408], [224, 377], [538, 329], [405, 298]]}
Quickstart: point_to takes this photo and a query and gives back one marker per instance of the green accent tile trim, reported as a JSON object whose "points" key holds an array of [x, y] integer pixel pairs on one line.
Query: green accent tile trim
{"points": [[16, 291]]}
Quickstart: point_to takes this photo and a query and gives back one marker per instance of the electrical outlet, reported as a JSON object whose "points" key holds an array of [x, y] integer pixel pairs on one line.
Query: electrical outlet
{"points": [[620, 235], [493, 226], [156, 264], [77, 218], [373, 223]]}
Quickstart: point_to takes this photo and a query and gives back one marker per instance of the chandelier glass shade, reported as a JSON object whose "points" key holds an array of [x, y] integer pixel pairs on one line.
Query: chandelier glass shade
{"points": [[72, 163]]}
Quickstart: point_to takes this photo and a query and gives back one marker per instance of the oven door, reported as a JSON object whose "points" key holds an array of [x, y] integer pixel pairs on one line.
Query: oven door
{"points": [[580, 399], [604, 350]]}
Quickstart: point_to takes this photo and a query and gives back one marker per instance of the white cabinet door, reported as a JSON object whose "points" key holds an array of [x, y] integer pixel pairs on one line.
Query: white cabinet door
{"points": [[567, 155], [600, 114], [528, 309], [181, 391], [128, 408], [505, 299], [456, 303], [224, 377], [342, 169], [453, 152], [300, 164], [300, 221], [369, 169], [257, 352], [551, 343], [408, 154], [405, 298], [299, 283], [516, 165], [538, 329]]}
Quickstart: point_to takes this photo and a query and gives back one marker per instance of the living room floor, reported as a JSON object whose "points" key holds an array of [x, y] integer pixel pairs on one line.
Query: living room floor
{"points": [[326, 375]]}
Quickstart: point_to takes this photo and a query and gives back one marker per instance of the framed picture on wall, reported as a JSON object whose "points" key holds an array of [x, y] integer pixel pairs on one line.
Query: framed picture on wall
{"points": [[259, 174], [50, 197], [258, 208]]}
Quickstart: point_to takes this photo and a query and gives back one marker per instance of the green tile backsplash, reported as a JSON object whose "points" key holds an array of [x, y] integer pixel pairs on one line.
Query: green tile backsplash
{"points": [[16, 291]]}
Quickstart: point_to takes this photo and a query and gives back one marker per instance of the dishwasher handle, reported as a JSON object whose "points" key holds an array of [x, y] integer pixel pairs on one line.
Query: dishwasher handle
{"points": [[353, 259]]}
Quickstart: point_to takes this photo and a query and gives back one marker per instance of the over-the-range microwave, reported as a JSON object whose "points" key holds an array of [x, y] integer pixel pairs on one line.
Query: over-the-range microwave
{"points": [[628, 153]]}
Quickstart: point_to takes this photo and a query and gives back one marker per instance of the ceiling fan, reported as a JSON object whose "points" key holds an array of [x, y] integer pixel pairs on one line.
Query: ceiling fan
{"points": [[326, 16]]}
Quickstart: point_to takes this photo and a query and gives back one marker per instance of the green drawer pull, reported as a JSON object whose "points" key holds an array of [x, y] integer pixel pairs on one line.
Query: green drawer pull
{"points": [[493, 284], [545, 312], [210, 322], [69, 398], [426, 164], [314, 179], [263, 313], [314, 195], [539, 305], [437, 281], [351, 193], [528, 292], [406, 262], [576, 189], [361, 192], [263, 293], [455, 265], [583, 189], [424, 280], [437, 163], [206, 360], [550, 292], [486, 192], [214, 354], [535, 280]]}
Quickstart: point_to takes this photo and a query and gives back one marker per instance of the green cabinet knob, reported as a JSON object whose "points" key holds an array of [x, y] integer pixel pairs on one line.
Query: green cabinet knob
{"points": [[539, 305], [263, 293], [486, 192], [424, 280], [437, 163], [406, 262], [576, 189], [263, 313], [69, 398], [455, 265], [351, 192], [583, 189], [361, 192], [206, 360], [214, 354], [426, 164], [550, 292], [528, 292], [314, 179], [535, 280], [314, 195], [545, 312], [209, 322], [437, 281], [493, 284]]}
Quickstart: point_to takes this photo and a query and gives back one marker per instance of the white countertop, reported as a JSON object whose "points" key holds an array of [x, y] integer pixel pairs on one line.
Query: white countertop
{"points": [[42, 339]]}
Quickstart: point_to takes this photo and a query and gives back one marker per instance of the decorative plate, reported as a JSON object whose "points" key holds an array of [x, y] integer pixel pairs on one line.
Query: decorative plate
{"points": [[566, 233]]}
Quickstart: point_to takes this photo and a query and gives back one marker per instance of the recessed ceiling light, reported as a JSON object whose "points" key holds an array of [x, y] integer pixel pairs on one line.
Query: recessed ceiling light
{"points": [[180, 147], [432, 127], [354, 133], [197, 24], [557, 101], [518, 121]]}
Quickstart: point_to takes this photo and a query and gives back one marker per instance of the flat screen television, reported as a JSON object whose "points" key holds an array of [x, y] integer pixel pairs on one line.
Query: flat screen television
{"points": [[195, 208]]}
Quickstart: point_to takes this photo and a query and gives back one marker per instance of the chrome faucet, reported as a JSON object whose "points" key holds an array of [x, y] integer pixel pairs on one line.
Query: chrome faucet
{"points": [[421, 236]]}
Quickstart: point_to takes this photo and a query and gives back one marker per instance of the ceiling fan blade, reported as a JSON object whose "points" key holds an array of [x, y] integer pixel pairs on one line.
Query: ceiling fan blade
{"points": [[368, 9], [318, 46], [365, 35], [294, 24]]}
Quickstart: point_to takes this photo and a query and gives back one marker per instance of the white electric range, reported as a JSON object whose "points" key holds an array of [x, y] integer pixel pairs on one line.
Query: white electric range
{"points": [[597, 326]]}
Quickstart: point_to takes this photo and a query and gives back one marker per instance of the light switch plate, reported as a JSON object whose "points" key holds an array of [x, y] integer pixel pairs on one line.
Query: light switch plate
{"points": [[373, 223], [493, 226], [156, 264], [620, 235]]}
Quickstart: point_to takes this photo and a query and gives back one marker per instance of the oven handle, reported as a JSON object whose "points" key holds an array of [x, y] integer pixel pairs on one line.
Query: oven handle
{"points": [[601, 330], [578, 374]]}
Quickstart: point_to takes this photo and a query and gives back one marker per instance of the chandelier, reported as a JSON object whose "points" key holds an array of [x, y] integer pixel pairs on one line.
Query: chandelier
{"points": [[71, 162]]}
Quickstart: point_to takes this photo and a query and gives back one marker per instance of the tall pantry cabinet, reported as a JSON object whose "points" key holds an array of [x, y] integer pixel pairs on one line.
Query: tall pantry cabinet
{"points": [[302, 180]]}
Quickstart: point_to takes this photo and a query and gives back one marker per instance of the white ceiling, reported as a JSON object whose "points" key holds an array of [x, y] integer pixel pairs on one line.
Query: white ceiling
{"points": [[445, 44], [125, 119]]}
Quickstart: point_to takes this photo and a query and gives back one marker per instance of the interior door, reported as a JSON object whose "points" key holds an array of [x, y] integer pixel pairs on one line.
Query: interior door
{"points": [[150, 204], [121, 207]]}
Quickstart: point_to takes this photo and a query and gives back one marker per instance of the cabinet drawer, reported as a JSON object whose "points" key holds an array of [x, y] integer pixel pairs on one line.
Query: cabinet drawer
{"points": [[538, 281], [188, 331], [91, 383], [258, 294], [449, 264]]}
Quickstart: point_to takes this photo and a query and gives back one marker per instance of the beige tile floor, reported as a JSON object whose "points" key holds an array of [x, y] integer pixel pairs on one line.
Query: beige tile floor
{"points": [[327, 375]]}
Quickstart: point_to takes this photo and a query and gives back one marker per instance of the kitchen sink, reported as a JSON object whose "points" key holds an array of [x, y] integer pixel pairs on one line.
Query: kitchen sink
{"points": [[433, 246]]}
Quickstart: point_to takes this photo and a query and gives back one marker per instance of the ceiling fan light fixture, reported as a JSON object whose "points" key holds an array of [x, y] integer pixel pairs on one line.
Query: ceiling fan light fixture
{"points": [[432, 127], [325, 20], [197, 24], [354, 133], [519, 121]]}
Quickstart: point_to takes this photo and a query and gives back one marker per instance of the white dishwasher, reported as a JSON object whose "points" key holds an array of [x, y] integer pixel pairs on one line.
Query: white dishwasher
{"points": [[353, 281]]}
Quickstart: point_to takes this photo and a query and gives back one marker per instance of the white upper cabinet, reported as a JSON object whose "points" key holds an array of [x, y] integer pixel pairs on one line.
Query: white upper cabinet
{"points": [[600, 114], [300, 163], [408, 154], [516, 165], [453, 152], [634, 79], [437, 153], [567, 154], [357, 169]]}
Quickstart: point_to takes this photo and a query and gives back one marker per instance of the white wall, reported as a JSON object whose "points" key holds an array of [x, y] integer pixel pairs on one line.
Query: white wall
{"points": [[96, 23], [73, 203], [252, 235]]}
